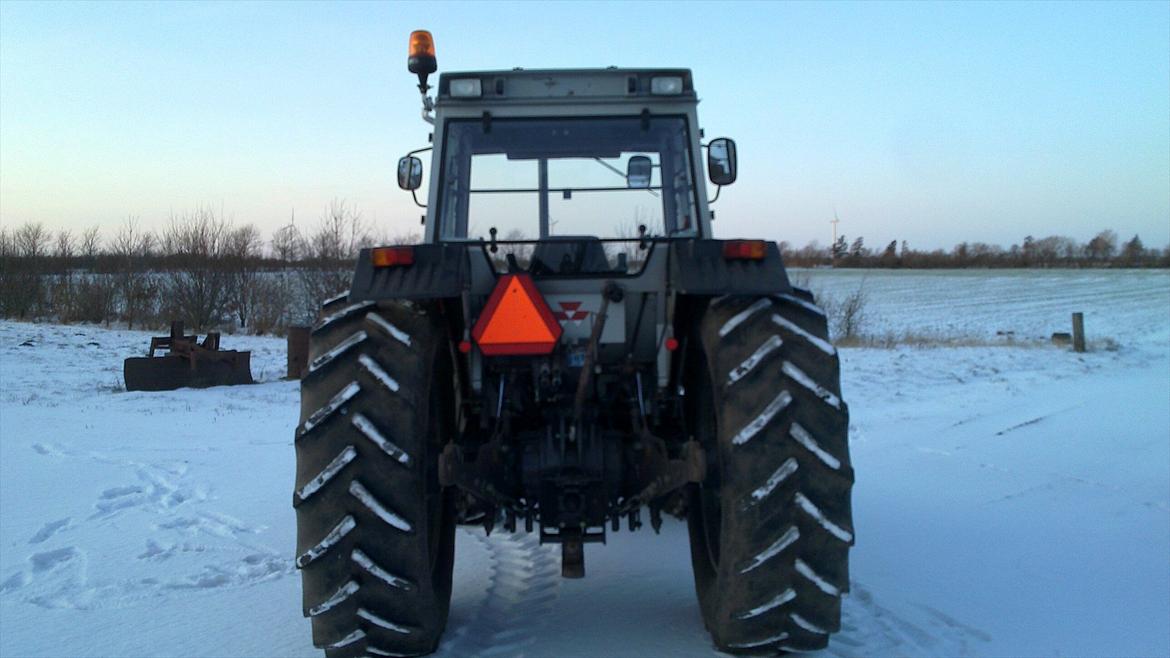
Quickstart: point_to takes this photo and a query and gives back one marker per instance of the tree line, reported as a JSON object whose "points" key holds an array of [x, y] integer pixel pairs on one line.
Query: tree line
{"points": [[1103, 250], [200, 268], [211, 273]]}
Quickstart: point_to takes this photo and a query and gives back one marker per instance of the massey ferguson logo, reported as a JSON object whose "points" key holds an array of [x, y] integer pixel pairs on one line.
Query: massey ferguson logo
{"points": [[571, 311]]}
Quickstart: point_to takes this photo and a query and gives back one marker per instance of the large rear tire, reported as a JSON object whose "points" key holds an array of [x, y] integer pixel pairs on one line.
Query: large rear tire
{"points": [[375, 532], [771, 525]]}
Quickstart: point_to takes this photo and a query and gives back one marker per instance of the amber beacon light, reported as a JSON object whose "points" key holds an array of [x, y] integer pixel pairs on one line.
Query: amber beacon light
{"points": [[421, 59]]}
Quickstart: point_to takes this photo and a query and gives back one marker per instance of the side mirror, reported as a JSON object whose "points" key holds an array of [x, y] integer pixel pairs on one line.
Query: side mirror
{"points": [[638, 172], [410, 173], [721, 161]]}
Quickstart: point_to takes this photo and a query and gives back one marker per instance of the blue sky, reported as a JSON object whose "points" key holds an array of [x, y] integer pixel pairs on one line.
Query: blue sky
{"points": [[933, 123]]}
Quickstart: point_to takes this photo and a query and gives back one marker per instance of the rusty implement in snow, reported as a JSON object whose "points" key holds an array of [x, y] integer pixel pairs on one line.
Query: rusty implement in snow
{"points": [[187, 362]]}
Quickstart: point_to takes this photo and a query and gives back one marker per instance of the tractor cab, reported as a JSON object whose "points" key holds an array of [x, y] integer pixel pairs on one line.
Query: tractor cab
{"points": [[536, 154]]}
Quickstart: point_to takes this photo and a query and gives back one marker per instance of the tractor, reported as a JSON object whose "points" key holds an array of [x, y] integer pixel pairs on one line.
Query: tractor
{"points": [[568, 350]]}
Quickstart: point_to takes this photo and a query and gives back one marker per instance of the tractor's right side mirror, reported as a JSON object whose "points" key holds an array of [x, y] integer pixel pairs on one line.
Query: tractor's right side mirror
{"points": [[410, 173], [721, 161], [638, 172]]}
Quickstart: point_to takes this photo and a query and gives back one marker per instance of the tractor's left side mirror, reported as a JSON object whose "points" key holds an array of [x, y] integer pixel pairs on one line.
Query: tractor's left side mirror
{"points": [[410, 173], [721, 161], [638, 172]]}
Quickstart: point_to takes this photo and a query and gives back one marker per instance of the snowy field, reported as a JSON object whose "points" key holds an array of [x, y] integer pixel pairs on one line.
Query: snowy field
{"points": [[1011, 500]]}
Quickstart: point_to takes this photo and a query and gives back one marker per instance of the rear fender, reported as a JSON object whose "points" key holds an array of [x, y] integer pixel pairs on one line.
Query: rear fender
{"points": [[439, 271], [697, 267]]}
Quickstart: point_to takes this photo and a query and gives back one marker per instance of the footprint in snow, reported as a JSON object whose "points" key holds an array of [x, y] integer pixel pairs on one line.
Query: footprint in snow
{"points": [[43, 565], [49, 529], [51, 560], [156, 490], [254, 568], [48, 450], [115, 499], [58, 579], [15, 582], [218, 525], [156, 551], [119, 492]]}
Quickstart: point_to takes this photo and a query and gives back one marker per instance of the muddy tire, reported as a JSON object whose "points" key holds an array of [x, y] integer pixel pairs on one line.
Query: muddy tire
{"points": [[375, 532], [771, 525]]}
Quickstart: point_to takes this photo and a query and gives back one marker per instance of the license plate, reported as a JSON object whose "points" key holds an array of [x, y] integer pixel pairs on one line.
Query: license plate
{"points": [[576, 358]]}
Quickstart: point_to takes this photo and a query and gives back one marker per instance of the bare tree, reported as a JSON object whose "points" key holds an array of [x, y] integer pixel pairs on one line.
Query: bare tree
{"points": [[60, 283], [847, 316], [242, 251], [275, 306], [1053, 249], [8, 271], [136, 286], [287, 243], [7, 243], [197, 284], [92, 296], [21, 283], [32, 240], [1102, 246], [64, 245], [90, 243], [339, 234], [329, 253]]}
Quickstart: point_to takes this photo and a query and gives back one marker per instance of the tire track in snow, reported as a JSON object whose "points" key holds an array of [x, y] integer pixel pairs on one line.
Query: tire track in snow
{"points": [[524, 581], [871, 629]]}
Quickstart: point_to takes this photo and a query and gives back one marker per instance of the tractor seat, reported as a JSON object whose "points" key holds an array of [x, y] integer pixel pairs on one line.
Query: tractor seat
{"points": [[570, 254]]}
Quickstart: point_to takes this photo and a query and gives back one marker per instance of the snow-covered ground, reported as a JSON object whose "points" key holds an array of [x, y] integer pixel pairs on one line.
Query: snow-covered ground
{"points": [[1010, 500]]}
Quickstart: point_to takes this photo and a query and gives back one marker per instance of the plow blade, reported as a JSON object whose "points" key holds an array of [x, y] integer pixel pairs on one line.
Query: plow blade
{"points": [[166, 373]]}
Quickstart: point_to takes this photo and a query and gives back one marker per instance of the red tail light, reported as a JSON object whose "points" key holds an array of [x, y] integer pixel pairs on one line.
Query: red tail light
{"points": [[516, 320], [745, 249], [392, 256]]}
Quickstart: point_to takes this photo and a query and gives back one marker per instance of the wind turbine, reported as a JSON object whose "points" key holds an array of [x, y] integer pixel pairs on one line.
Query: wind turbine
{"points": [[833, 245]]}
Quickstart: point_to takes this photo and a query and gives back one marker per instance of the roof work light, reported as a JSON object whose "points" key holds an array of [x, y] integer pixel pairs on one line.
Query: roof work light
{"points": [[666, 85], [466, 88]]}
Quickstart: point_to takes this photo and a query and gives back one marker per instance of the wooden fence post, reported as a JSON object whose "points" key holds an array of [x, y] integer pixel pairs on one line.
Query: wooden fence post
{"points": [[1078, 332], [298, 351]]}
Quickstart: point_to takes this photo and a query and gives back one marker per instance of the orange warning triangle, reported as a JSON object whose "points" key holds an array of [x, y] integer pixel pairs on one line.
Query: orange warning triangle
{"points": [[516, 320]]}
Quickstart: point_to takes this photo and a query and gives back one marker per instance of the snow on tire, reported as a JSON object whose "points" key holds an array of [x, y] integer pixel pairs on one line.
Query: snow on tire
{"points": [[375, 533], [771, 525]]}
